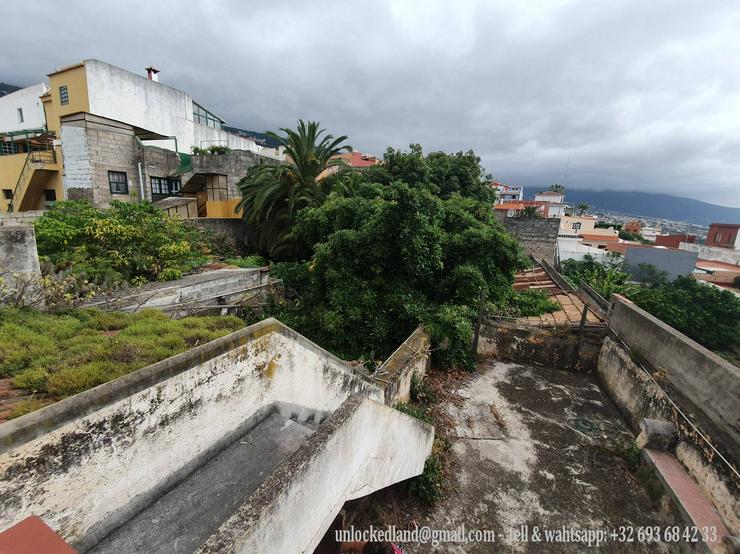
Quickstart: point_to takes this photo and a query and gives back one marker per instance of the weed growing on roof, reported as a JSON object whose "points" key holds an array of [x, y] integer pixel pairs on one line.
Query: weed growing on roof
{"points": [[58, 355]]}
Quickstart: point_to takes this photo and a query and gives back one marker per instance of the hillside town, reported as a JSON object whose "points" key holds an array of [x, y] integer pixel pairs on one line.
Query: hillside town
{"points": [[216, 339]]}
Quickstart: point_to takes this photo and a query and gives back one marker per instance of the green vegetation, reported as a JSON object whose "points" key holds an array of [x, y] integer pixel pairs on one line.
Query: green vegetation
{"points": [[583, 207], [560, 189], [634, 237], [706, 314], [126, 242], [525, 303], [404, 249], [246, 262], [214, 149], [61, 354], [428, 486], [272, 195]]}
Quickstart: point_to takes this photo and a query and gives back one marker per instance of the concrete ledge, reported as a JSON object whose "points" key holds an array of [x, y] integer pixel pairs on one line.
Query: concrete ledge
{"points": [[695, 508]]}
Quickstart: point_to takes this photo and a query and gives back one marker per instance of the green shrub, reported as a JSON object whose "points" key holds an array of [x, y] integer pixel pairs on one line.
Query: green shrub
{"points": [[247, 262], [415, 410], [420, 390], [126, 242], [427, 487], [524, 303]]}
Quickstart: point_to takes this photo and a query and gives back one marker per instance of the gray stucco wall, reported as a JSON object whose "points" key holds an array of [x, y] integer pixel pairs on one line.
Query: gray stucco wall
{"points": [[19, 257], [674, 262], [639, 396], [538, 236], [711, 383]]}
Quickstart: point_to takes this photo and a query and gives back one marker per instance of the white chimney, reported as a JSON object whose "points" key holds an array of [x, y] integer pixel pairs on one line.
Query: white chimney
{"points": [[151, 73]]}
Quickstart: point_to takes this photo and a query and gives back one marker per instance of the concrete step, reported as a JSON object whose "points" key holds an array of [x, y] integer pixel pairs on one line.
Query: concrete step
{"points": [[694, 506], [182, 519]]}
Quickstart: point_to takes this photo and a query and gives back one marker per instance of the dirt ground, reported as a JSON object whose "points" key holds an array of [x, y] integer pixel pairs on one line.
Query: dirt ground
{"points": [[527, 446]]}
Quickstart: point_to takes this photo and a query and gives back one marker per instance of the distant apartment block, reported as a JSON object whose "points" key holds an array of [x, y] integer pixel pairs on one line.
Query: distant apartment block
{"points": [[507, 193], [633, 226], [577, 225], [103, 133], [724, 235]]}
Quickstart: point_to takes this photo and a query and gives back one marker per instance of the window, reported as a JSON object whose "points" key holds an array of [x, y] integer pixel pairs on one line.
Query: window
{"points": [[20, 115], [118, 182], [576, 226], [166, 186], [63, 95], [204, 117], [7, 148], [8, 194]]}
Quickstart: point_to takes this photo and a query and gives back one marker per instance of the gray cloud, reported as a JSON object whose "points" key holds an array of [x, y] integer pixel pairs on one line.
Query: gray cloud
{"points": [[641, 95]]}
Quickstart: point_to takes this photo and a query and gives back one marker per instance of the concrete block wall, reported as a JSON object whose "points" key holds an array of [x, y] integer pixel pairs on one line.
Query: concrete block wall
{"points": [[91, 147], [561, 348], [234, 228], [538, 236]]}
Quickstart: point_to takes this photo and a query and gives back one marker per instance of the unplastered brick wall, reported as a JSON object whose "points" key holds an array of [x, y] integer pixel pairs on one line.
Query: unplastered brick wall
{"points": [[112, 149], [233, 165], [157, 162], [538, 236]]}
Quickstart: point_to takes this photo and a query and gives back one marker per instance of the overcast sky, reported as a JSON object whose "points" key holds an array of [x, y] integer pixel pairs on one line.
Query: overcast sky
{"points": [[641, 94]]}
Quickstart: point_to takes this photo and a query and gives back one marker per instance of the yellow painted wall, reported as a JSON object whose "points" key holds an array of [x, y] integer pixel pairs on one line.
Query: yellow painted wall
{"points": [[10, 170], [222, 208], [75, 78]]}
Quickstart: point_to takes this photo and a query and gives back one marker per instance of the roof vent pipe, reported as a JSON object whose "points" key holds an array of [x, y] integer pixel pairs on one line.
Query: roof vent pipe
{"points": [[151, 73]]}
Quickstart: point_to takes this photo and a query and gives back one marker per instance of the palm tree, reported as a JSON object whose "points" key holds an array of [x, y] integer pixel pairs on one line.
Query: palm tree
{"points": [[272, 194], [582, 207], [530, 211], [560, 189]]}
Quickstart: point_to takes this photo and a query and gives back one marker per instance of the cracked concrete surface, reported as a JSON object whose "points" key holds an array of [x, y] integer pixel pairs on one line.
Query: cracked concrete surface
{"points": [[534, 446]]}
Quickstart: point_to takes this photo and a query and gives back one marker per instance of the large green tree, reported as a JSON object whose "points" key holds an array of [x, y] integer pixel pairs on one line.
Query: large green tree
{"points": [[397, 253], [272, 194]]}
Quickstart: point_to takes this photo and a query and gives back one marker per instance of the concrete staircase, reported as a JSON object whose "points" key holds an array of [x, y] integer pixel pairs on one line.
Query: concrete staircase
{"points": [[182, 519]]}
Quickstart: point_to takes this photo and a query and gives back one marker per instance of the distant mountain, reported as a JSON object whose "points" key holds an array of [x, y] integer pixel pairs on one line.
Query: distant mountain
{"points": [[5, 88], [647, 204]]}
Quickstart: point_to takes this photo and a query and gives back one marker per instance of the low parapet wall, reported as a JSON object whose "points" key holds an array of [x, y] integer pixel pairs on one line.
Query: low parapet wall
{"points": [[362, 447], [87, 463], [409, 359], [559, 347], [639, 396], [709, 382]]}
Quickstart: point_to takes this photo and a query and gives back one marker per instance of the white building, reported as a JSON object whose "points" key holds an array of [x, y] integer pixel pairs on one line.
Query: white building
{"points": [[142, 101], [22, 110], [550, 197], [507, 193]]}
